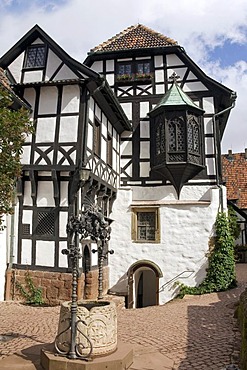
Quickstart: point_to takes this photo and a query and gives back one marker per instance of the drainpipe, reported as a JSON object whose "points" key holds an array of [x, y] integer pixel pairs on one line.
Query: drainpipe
{"points": [[10, 256], [217, 147]]}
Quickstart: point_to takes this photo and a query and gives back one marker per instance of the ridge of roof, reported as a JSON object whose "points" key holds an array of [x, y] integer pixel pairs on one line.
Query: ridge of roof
{"points": [[135, 37]]}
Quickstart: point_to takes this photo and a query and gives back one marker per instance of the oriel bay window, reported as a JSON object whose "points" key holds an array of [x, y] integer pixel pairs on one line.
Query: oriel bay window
{"points": [[176, 137], [145, 225]]}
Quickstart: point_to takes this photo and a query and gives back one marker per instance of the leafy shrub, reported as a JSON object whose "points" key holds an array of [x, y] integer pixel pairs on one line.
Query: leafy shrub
{"points": [[221, 273]]}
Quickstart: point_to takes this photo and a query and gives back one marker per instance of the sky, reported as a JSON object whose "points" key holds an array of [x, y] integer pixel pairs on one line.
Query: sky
{"points": [[212, 32]]}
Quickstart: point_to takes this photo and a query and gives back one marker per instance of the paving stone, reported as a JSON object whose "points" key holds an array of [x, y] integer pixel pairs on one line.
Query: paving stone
{"points": [[198, 332]]}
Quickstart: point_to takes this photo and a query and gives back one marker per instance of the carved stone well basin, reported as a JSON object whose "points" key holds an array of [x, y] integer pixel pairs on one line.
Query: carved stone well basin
{"points": [[97, 321]]}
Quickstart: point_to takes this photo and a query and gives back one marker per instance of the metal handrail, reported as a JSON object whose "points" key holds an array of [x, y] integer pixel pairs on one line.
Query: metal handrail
{"points": [[173, 279]]}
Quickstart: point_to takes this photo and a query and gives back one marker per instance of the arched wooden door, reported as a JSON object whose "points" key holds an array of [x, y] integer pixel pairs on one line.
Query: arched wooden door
{"points": [[143, 284]]}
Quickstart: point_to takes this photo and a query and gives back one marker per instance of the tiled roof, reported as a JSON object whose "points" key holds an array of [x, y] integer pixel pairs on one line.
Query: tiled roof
{"points": [[4, 80], [135, 37], [234, 169]]}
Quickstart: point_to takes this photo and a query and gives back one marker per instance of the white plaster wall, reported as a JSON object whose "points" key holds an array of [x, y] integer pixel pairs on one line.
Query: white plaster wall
{"points": [[52, 64], [127, 107], [173, 60], [45, 194], [144, 129], [158, 61], [110, 65], [65, 73], [26, 252], [110, 79], [27, 218], [29, 96], [97, 66], [33, 76], [48, 100], [159, 76], [144, 109], [186, 229], [70, 99], [16, 67], [62, 258], [160, 89], [27, 201], [63, 220], [25, 155], [45, 131], [45, 252], [194, 86], [103, 153], [68, 129], [208, 104], [64, 193]]}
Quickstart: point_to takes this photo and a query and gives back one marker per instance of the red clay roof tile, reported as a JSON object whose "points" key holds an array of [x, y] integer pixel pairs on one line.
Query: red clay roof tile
{"points": [[234, 169], [134, 37]]}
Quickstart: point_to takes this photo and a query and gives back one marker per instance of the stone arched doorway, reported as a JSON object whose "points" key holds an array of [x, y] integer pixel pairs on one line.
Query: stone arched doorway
{"points": [[143, 284]]}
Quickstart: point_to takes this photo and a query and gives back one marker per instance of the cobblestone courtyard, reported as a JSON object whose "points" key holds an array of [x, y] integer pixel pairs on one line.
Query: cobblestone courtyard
{"points": [[198, 332]]}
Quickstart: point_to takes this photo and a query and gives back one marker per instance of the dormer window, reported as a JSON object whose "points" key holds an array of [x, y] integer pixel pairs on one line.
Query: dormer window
{"points": [[35, 57], [134, 71]]}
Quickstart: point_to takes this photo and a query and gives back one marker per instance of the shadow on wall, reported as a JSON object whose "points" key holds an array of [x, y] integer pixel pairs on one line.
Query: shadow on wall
{"points": [[121, 286], [213, 338], [195, 278]]}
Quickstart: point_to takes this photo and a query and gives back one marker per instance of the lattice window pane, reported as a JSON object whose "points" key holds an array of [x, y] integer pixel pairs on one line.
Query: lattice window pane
{"points": [[45, 223], [124, 69], [193, 137], [180, 136], [35, 57], [196, 139], [146, 225], [176, 135], [172, 136], [160, 138], [143, 68]]}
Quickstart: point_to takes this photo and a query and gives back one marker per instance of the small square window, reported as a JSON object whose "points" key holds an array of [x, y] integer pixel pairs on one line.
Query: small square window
{"points": [[35, 57], [45, 223], [145, 225]]}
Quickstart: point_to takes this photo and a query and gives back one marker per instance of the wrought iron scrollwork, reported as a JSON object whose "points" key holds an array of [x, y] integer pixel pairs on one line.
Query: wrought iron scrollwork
{"points": [[91, 223]]}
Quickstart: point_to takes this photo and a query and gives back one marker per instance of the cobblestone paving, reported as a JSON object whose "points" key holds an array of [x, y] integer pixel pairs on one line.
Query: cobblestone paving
{"points": [[198, 332]]}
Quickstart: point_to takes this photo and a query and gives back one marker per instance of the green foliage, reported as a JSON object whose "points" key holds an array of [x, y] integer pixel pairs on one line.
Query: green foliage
{"points": [[14, 127], [31, 294], [233, 223], [221, 273]]}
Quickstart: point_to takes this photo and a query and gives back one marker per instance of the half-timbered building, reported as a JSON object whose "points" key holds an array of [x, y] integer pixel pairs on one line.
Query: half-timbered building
{"points": [[148, 122], [170, 180], [78, 122]]}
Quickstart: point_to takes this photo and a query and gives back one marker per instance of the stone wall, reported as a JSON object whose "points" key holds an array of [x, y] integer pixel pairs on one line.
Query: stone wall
{"points": [[242, 317], [56, 286]]}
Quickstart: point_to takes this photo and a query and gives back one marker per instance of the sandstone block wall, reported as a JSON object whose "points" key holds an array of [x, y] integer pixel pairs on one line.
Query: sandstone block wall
{"points": [[56, 286]]}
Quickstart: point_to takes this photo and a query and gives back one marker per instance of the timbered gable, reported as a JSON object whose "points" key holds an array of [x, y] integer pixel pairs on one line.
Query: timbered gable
{"points": [[77, 121], [138, 63]]}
